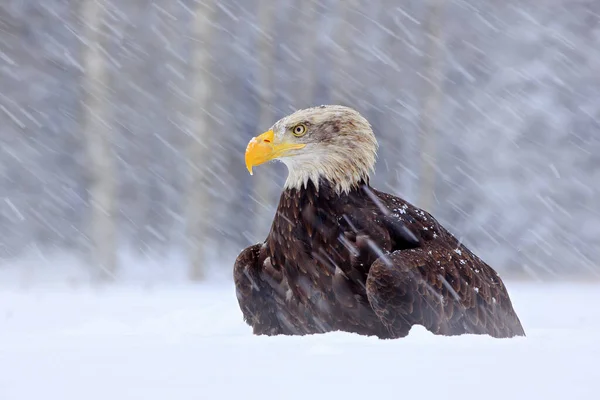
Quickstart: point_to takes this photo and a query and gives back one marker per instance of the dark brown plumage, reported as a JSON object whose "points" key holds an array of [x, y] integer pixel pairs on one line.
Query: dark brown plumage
{"points": [[367, 262]]}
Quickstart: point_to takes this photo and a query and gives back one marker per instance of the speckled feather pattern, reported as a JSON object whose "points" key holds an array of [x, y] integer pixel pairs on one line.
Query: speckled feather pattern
{"points": [[370, 263]]}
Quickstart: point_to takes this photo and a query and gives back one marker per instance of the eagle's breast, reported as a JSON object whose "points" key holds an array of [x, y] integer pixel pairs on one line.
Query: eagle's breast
{"points": [[314, 244]]}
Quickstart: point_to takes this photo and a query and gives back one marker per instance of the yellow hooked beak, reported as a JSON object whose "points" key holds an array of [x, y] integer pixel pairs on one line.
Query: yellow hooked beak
{"points": [[263, 148]]}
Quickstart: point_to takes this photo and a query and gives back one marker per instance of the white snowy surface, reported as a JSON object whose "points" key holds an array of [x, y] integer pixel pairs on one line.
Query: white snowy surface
{"points": [[189, 342]]}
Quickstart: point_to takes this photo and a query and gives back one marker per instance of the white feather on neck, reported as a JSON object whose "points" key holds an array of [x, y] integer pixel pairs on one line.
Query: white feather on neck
{"points": [[342, 168]]}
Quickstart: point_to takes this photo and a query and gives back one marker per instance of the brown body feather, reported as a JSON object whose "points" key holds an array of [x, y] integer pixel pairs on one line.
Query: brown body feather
{"points": [[370, 263]]}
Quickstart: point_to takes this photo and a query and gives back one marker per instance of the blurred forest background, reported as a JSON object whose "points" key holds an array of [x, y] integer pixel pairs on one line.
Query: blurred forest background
{"points": [[123, 125]]}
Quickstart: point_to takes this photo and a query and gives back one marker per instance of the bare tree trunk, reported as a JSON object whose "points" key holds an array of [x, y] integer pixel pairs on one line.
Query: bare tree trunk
{"points": [[198, 204], [98, 135], [264, 188], [178, 45], [342, 61], [308, 52], [432, 96], [400, 83]]}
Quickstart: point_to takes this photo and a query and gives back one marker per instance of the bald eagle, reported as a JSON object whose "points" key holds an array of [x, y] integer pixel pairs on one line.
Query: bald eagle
{"points": [[343, 256]]}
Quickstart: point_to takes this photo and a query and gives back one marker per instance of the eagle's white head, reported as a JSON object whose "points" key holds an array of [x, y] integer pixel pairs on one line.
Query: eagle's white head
{"points": [[333, 143]]}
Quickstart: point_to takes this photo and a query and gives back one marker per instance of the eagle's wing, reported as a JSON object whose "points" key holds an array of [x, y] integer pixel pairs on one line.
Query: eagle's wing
{"points": [[437, 283], [262, 292], [445, 292], [255, 296]]}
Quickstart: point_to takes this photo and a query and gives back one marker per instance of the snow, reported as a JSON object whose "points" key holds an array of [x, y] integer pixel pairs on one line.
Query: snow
{"points": [[189, 342]]}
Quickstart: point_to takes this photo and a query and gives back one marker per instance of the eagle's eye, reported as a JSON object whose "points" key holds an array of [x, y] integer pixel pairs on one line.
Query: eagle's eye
{"points": [[299, 130]]}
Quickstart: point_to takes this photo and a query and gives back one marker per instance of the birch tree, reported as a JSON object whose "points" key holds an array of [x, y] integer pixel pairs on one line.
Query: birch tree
{"points": [[432, 93], [342, 61], [308, 52], [399, 129], [264, 189], [198, 202], [98, 137]]}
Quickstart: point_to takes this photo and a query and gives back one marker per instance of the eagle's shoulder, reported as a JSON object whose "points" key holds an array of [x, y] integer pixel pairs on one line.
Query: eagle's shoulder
{"points": [[408, 225]]}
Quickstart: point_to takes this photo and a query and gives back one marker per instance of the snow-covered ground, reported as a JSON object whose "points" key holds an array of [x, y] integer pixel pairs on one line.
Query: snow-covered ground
{"points": [[189, 342]]}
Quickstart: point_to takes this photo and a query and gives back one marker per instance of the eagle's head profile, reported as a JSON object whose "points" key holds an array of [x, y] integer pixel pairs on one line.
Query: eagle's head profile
{"points": [[333, 143]]}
